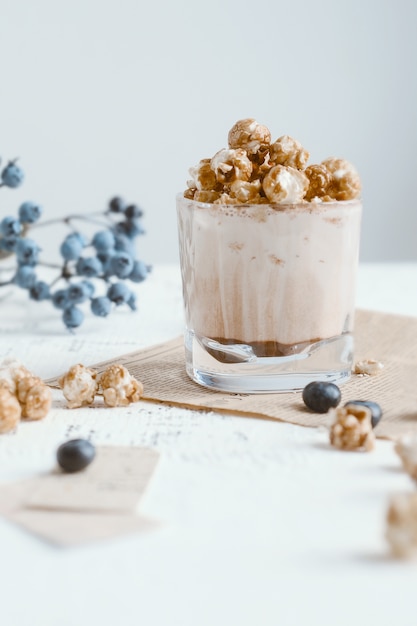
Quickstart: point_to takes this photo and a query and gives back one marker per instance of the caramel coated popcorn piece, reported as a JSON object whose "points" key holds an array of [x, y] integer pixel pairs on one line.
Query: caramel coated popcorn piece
{"points": [[368, 367], [251, 136], [79, 386], [352, 428], [206, 196], [34, 396], [10, 411], [288, 151], [230, 165], [285, 185], [203, 177], [406, 448], [119, 387], [401, 530], [245, 191], [345, 184], [319, 181]]}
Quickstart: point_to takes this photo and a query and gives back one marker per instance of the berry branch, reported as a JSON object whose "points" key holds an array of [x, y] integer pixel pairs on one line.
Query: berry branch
{"points": [[108, 257]]}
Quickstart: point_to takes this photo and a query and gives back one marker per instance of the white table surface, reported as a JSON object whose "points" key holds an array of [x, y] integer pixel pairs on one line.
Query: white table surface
{"points": [[263, 524]]}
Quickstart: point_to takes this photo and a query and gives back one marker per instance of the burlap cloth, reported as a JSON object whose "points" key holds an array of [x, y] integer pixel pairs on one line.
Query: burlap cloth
{"points": [[391, 339]]}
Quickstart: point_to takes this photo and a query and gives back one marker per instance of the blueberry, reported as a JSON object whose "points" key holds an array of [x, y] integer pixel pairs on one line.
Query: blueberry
{"points": [[121, 264], [27, 252], [75, 455], [103, 240], [12, 175], [25, 277], [133, 211], [320, 396], [10, 226], [139, 272], [376, 411], [117, 205], [88, 287], [29, 212], [101, 306], [71, 247], [124, 244], [89, 266], [77, 293], [130, 228], [119, 293], [9, 243], [72, 317], [39, 291], [60, 299]]}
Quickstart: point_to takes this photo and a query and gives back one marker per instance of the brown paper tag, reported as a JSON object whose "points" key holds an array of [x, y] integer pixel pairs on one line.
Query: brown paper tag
{"points": [[389, 338], [96, 504], [114, 482]]}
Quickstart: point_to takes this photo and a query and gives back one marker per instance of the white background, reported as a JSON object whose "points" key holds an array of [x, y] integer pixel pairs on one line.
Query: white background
{"points": [[100, 97]]}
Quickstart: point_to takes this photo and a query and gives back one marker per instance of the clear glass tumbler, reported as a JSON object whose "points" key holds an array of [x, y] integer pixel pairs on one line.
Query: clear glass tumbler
{"points": [[269, 293]]}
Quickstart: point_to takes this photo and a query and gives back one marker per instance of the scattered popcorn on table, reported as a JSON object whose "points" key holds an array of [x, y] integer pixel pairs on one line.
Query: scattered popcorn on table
{"points": [[34, 396], [119, 387], [401, 531], [26, 391], [10, 411], [406, 448], [368, 367], [352, 428], [79, 386]]}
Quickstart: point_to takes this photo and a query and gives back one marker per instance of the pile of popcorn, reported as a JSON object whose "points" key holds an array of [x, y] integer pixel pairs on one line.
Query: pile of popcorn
{"points": [[25, 396], [22, 396], [80, 385], [255, 170]]}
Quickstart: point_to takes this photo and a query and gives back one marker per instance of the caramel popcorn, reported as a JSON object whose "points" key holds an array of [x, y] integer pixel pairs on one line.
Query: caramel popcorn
{"points": [[206, 196], [285, 185], [251, 136], [352, 428], [119, 387], [203, 177], [79, 386], [345, 183], [34, 396], [245, 191], [319, 180], [401, 531], [10, 411], [406, 448], [288, 151], [252, 158], [368, 367], [230, 165]]}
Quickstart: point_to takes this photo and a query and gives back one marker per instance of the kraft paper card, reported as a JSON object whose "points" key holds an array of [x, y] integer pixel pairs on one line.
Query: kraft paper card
{"points": [[95, 504], [391, 339]]}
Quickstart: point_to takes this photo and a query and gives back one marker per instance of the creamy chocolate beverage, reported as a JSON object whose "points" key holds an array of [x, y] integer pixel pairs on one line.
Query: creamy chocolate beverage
{"points": [[269, 249]]}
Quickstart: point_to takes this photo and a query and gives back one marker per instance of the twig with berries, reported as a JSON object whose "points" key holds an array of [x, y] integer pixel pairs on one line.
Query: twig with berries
{"points": [[107, 257]]}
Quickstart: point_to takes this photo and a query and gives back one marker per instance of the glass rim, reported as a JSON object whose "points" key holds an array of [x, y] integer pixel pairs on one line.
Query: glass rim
{"points": [[276, 206]]}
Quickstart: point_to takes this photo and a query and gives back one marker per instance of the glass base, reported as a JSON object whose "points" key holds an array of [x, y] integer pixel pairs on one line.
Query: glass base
{"points": [[236, 368]]}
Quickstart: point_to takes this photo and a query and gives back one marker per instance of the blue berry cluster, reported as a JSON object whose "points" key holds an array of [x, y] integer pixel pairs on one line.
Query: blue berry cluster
{"points": [[107, 258]]}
